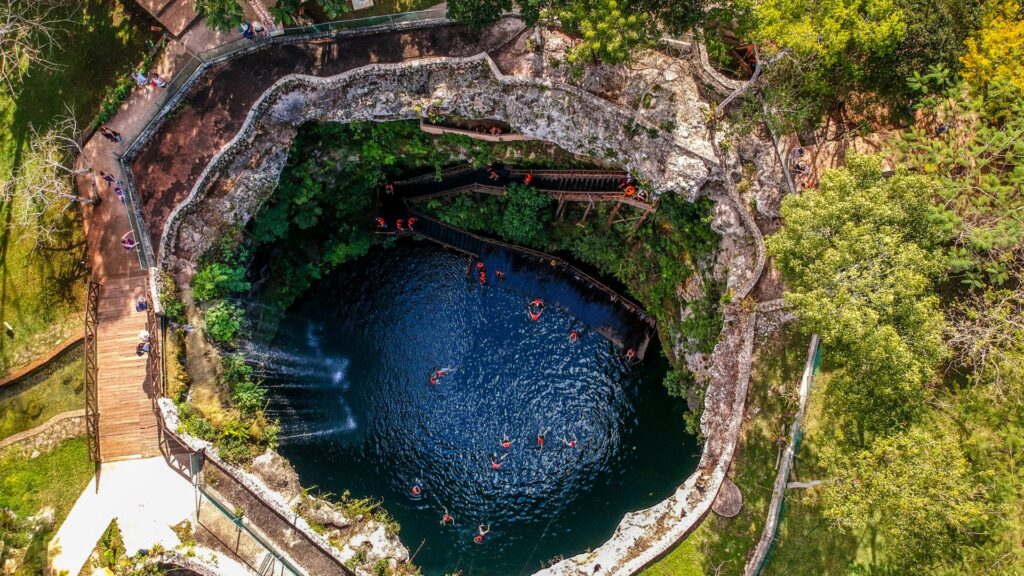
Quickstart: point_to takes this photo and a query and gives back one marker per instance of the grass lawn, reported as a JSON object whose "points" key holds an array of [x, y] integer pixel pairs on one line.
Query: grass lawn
{"points": [[806, 538], [722, 544], [55, 389], [54, 479], [42, 287]]}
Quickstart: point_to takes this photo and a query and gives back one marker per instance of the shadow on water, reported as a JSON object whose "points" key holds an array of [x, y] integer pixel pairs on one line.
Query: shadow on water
{"points": [[349, 380]]}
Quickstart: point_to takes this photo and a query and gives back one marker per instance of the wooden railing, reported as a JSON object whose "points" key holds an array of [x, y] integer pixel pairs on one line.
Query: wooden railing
{"points": [[92, 412]]}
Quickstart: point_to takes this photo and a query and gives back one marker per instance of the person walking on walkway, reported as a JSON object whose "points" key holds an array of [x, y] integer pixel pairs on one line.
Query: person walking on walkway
{"points": [[128, 242], [110, 134]]}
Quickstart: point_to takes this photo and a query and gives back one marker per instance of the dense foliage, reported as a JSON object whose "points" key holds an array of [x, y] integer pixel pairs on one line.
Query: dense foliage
{"points": [[609, 30], [222, 15], [526, 215], [860, 255]]}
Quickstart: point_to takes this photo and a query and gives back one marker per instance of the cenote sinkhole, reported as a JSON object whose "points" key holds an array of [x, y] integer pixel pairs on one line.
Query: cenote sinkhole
{"points": [[348, 377]]}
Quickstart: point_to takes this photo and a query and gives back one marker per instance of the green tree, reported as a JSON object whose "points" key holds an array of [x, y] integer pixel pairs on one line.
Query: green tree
{"points": [[860, 255], [223, 321], [477, 13], [217, 280], [611, 31], [222, 15], [978, 164], [527, 214], [286, 11], [914, 491]]}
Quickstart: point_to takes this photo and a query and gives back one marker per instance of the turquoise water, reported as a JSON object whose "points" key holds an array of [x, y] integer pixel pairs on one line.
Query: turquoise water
{"points": [[349, 380]]}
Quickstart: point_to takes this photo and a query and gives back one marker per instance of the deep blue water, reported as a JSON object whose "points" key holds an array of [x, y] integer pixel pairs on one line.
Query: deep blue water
{"points": [[349, 380]]}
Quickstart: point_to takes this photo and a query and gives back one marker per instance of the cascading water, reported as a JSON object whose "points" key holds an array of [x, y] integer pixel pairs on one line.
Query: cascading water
{"points": [[349, 379]]}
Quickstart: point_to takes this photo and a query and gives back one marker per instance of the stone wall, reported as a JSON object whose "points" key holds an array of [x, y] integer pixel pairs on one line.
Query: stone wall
{"points": [[44, 437], [234, 184]]}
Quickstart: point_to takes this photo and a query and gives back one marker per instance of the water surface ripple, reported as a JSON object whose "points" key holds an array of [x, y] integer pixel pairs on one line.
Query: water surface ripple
{"points": [[349, 380]]}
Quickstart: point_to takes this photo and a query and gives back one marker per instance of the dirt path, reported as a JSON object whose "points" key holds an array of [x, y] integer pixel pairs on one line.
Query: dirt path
{"points": [[167, 168]]}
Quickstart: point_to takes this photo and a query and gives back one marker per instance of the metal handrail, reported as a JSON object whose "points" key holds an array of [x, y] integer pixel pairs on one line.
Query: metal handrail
{"points": [[231, 474], [92, 412]]}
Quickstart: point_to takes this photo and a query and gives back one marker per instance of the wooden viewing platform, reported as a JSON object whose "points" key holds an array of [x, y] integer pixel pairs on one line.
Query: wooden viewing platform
{"points": [[127, 421]]}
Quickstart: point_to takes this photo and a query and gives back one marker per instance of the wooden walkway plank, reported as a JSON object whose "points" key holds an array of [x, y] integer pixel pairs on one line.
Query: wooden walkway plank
{"points": [[127, 422]]}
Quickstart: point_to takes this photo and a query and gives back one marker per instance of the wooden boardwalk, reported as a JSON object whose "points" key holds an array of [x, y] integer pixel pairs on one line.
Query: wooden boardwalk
{"points": [[127, 422]]}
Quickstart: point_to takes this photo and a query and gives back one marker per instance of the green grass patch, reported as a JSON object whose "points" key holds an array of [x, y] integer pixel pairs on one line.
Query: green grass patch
{"points": [[42, 288], [685, 560], [807, 541], [53, 479], [56, 388]]}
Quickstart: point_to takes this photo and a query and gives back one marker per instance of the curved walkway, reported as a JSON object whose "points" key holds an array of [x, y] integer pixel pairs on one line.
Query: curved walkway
{"points": [[170, 163]]}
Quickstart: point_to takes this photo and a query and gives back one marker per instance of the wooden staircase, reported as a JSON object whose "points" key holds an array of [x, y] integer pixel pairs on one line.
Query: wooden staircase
{"points": [[127, 421]]}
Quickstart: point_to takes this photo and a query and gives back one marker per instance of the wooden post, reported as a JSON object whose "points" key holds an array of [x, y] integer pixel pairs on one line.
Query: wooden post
{"points": [[614, 212], [585, 213], [643, 218]]}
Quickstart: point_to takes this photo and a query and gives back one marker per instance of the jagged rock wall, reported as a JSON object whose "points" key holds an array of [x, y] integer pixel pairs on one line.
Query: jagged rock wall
{"points": [[243, 175]]}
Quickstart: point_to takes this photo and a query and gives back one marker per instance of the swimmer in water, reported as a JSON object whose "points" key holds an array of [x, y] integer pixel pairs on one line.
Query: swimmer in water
{"points": [[630, 354], [433, 379], [483, 277], [447, 518], [496, 462], [480, 265], [439, 372], [481, 532], [500, 275], [540, 438], [571, 443], [505, 442], [574, 336], [416, 490]]}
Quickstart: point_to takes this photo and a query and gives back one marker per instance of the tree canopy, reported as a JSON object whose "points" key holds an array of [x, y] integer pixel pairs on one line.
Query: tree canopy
{"points": [[914, 491], [860, 255]]}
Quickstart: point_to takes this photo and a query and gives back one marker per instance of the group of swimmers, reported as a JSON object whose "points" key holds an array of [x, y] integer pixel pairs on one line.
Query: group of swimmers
{"points": [[401, 224], [416, 491]]}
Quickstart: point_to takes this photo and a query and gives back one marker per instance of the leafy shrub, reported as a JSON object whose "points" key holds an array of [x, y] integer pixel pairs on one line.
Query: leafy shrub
{"points": [[217, 280], [193, 424], [248, 397], [222, 15], [527, 214], [223, 321]]}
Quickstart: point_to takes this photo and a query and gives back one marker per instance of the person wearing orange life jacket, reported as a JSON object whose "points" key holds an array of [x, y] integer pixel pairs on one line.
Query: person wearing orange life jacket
{"points": [[381, 223], [505, 442], [398, 224], [447, 518], [411, 221], [481, 532], [571, 443]]}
